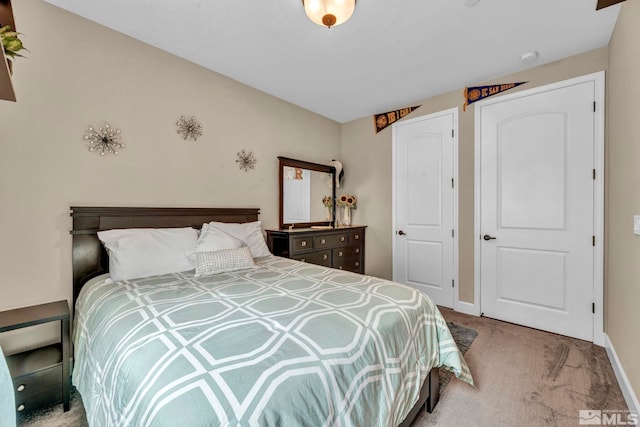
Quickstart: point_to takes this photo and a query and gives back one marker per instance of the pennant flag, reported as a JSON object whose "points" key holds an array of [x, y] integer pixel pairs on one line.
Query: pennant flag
{"points": [[383, 120], [476, 93]]}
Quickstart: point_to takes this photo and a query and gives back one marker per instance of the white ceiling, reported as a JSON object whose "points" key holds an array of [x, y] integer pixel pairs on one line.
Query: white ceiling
{"points": [[390, 54]]}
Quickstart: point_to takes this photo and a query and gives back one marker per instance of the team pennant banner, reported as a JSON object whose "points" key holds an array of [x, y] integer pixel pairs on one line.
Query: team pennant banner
{"points": [[383, 120], [476, 93]]}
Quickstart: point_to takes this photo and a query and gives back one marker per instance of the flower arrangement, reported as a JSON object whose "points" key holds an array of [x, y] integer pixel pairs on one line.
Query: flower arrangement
{"points": [[327, 201], [349, 201], [11, 43]]}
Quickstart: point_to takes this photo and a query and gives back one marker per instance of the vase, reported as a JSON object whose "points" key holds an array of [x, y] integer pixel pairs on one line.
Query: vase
{"points": [[346, 216], [329, 214]]}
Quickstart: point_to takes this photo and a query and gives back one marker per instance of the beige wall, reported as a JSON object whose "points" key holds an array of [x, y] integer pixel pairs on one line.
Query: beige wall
{"points": [[79, 74], [622, 269], [367, 162]]}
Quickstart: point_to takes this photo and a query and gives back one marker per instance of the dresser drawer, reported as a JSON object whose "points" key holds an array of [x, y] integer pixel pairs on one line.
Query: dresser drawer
{"points": [[316, 257], [354, 264], [26, 385], [331, 240], [356, 237], [301, 244], [348, 252]]}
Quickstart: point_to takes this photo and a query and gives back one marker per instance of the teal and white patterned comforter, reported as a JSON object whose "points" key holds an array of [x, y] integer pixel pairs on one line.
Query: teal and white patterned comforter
{"points": [[284, 344]]}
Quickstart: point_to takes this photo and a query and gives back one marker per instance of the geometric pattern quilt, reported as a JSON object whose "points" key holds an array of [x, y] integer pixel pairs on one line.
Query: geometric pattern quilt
{"points": [[283, 344]]}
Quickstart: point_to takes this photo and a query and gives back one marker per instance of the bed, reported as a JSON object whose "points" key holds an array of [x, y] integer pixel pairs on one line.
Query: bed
{"points": [[282, 344]]}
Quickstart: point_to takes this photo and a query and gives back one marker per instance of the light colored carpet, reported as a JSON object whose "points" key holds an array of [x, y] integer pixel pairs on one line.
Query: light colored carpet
{"points": [[525, 377]]}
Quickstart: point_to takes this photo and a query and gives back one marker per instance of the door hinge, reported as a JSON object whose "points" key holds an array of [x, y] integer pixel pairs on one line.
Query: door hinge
{"points": [[453, 283], [594, 174], [453, 233], [594, 106], [593, 240], [452, 183], [593, 307]]}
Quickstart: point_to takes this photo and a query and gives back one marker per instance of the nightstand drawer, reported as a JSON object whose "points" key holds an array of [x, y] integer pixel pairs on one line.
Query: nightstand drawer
{"points": [[38, 399], [38, 381], [330, 240], [318, 258]]}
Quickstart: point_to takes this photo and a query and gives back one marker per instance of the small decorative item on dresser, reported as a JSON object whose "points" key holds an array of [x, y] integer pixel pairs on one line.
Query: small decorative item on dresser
{"points": [[346, 203], [40, 376], [327, 201]]}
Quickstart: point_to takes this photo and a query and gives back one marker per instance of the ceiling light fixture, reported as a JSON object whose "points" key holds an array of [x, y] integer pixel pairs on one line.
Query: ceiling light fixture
{"points": [[329, 13]]}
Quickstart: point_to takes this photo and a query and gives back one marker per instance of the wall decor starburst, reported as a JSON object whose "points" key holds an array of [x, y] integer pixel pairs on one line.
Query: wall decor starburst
{"points": [[104, 140], [189, 129], [246, 160]]}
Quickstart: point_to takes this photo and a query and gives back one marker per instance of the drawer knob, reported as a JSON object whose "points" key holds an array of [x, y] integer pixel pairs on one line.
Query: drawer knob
{"points": [[357, 250], [304, 243], [357, 236], [325, 256], [322, 241], [302, 259], [20, 407], [357, 264], [21, 387], [340, 267], [342, 238], [340, 253]]}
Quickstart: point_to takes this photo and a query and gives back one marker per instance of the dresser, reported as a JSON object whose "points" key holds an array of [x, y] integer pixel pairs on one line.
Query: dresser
{"points": [[341, 248]]}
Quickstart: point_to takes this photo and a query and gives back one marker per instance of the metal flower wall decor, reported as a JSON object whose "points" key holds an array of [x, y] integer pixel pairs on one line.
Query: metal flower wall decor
{"points": [[189, 129], [246, 160], [104, 140]]}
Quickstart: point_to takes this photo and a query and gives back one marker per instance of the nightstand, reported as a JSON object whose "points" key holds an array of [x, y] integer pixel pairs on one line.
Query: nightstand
{"points": [[40, 376]]}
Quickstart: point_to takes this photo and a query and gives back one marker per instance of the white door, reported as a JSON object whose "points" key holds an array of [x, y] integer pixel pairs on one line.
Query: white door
{"points": [[536, 232], [424, 200]]}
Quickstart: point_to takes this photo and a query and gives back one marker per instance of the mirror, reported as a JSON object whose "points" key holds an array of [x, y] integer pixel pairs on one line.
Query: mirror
{"points": [[303, 188]]}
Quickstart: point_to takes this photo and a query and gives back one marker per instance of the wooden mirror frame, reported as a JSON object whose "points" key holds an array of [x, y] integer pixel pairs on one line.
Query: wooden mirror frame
{"points": [[294, 163]]}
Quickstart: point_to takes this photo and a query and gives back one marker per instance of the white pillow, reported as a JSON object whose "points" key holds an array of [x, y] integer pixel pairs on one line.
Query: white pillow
{"points": [[222, 261], [211, 239], [250, 233], [144, 252]]}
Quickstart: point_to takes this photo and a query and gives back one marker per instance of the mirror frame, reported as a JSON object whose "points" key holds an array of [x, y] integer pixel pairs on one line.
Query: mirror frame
{"points": [[285, 161]]}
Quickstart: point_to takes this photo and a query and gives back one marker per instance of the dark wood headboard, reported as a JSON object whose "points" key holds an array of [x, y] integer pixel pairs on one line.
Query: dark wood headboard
{"points": [[88, 256]]}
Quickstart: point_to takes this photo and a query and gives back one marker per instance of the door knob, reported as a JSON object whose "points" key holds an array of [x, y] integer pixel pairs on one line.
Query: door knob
{"points": [[402, 233], [487, 237]]}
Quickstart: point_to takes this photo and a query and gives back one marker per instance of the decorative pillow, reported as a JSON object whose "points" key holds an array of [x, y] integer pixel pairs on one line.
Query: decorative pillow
{"points": [[250, 233], [144, 252], [222, 261]]}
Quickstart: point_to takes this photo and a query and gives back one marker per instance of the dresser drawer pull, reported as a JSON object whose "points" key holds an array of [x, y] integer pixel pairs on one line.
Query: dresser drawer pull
{"points": [[340, 253], [357, 264], [301, 259], [357, 250], [323, 241], [20, 407], [342, 238], [303, 243], [21, 387], [340, 267], [356, 236], [325, 256]]}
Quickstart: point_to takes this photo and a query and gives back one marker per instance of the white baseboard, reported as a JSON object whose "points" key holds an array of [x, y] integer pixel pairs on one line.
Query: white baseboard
{"points": [[466, 308], [628, 393]]}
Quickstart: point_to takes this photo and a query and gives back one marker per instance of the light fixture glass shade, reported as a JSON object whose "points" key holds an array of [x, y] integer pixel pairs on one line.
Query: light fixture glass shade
{"points": [[329, 13]]}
